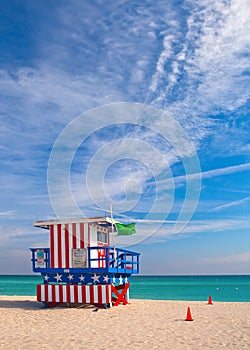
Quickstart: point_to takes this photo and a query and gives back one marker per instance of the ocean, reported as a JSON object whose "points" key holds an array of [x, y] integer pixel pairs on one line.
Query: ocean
{"points": [[196, 288]]}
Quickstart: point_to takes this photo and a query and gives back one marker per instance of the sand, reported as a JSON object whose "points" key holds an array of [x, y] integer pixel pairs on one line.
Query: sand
{"points": [[143, 324]]}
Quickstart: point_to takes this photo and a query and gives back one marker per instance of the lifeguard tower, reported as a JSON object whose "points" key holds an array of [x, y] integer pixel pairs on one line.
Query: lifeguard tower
{"points": [[81, 266]]}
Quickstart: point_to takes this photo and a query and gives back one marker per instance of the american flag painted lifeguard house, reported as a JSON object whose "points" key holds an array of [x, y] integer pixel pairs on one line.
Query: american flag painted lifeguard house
{"points": [[81, 266]]}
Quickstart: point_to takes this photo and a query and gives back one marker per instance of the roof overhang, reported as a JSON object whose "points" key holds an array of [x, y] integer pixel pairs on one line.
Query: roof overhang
{"points": [[99, 220]]}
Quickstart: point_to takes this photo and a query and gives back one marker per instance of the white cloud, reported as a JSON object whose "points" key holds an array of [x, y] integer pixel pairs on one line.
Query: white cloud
{"points": [[181, 180], [231, 204], [225, 171], [7, 213], [219, 54], [157, 231], [165, 231], [67, 95], [212, 60], [231, 259]]}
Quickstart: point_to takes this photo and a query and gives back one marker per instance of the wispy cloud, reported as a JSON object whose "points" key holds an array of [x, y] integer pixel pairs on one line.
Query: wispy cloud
{"points": [[231, 204], [237, 258], [226, 171], [208, 55], [165, 231], [7, 213], [181, 180], [152, 232], [212, 61]]}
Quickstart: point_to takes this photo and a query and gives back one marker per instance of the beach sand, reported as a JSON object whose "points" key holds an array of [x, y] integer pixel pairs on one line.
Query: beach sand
{"points": [[143, 324]]}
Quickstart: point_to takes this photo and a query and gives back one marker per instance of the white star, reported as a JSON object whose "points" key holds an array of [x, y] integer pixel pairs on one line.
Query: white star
{"points": [[70, 277], [126, 279], [81, 278], [106, 279], [58, 277], [46, 277], [120, 279], [114, 279], [95, 278]]}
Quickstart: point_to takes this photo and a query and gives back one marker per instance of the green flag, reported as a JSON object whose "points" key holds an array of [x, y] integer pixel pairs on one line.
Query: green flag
{"points": [[125, 229]]}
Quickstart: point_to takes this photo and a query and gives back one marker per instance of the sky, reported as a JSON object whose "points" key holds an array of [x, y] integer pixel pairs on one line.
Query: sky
{"points": [[142, 105]]}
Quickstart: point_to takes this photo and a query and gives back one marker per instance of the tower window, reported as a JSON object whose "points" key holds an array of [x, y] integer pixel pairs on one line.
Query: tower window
{"points": [[102, 237]]}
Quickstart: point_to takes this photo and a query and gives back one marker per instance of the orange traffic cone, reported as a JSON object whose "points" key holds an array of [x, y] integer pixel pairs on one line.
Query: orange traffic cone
{"points": [[210, 301], [189, 316]]}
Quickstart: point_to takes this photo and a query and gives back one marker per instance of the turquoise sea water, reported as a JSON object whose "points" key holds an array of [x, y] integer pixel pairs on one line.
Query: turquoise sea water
{"points": [[221, 288]]}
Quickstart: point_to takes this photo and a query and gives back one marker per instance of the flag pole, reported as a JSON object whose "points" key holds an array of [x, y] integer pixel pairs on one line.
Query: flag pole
{"points": [[113, 233], [111, 216]]}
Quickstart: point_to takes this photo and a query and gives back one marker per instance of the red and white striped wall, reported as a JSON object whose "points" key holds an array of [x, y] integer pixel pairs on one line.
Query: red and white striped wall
{"points": [[65, 237], [74, 293]]}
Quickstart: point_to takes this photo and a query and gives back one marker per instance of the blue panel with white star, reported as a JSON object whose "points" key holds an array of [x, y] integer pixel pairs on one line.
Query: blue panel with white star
{"points": [[89, 278]]}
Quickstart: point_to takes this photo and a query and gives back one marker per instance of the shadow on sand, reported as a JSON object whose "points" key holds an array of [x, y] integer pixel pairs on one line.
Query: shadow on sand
{"points": [[35, 305], [21, 304]]}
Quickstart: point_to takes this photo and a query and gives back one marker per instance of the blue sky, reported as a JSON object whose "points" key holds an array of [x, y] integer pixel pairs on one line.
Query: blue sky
{"points": [[152, 98]]}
